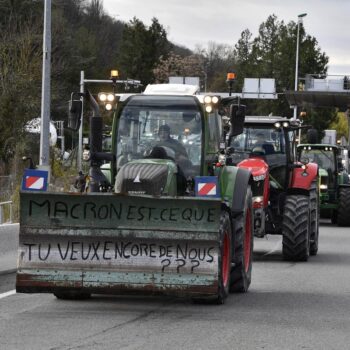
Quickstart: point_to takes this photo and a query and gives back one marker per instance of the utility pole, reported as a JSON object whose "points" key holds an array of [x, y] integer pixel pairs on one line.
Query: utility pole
{"points": [[80, 140], [46, 91], [300, 21]]}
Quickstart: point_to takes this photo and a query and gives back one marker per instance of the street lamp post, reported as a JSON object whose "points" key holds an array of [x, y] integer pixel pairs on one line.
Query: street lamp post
{"points": [[46, 90], [300, 20]]}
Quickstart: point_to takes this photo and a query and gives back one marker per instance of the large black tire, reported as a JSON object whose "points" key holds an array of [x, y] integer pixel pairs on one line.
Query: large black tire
{"points": [[224, 257], [241, 271], [296, 228], [334, 216], [343, 217], [72, 295], [224, 263], [315, 218]]}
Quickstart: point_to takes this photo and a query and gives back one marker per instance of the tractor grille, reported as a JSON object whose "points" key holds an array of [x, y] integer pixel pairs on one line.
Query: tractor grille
{"points": [[142, 179]]}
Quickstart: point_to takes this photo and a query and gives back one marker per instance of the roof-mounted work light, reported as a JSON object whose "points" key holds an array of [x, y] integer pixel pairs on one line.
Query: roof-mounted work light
{"points": [[230, 78], [108, 100], [114, 74]]}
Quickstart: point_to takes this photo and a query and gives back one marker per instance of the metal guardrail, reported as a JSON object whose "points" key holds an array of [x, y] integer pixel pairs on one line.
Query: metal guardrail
{"points": [[2, 205]]}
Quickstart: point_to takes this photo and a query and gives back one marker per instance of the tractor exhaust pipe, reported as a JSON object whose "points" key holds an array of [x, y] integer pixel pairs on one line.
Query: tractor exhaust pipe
{"points": [[96, 154]]}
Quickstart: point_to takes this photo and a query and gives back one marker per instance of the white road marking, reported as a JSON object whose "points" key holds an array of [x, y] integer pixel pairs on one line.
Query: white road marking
{"points": [[7, 294]]}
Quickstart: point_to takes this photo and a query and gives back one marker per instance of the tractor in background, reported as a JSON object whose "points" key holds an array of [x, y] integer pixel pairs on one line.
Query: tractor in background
{"points": [[334, 177], [285, 190]]}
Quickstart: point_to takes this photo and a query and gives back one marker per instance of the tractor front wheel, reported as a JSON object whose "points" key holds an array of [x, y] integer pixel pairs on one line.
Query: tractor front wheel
{"points": [[343, 217], [241, 271], [296, 228], [224, 257], [315, 218], [224, 263]]}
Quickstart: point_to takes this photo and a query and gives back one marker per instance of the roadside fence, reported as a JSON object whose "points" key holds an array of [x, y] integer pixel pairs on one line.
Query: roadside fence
{"points": [[6, 208]]}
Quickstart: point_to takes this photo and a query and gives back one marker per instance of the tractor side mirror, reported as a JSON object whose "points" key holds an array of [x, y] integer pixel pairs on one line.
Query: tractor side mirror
{"points": [[237, 118], [340, 165], [74, 111]]}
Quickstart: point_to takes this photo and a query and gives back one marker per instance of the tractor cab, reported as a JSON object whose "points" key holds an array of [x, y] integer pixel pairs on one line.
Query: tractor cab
{"points": [[326, 158], [163, 135], [161, 127], [166, 137], [334, 179], [267, 138]]}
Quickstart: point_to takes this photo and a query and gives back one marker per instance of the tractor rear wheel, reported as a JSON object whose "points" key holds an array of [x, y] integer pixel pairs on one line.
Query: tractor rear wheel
{"points": [[241, 271], [296, 228], [343, 217], [315, 218]]}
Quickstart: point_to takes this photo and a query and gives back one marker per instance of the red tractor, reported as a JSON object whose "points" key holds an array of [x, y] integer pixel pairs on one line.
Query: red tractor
{"points": [[285, 191]]}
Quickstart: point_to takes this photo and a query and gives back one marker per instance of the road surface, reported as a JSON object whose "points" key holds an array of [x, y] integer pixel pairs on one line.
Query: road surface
{"points": [[288, 306]]}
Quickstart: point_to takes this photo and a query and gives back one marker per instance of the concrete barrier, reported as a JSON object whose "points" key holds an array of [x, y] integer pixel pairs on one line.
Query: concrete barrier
{"points": [[9, 204], [8, 247]]}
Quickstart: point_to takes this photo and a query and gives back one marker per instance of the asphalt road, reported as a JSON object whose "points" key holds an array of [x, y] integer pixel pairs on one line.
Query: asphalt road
{"points": [[289, 306]]}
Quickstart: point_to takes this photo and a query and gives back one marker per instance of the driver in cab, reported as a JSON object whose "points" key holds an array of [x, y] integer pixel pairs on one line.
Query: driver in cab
{"points": [[167, 141]]}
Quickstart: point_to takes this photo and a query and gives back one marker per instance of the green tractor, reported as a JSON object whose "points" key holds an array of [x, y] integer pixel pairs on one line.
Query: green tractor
{"points": [[334, 180], [163, 212]]}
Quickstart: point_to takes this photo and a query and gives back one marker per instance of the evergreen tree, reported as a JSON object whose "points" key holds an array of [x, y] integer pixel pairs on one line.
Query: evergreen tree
{"points": [[272, 55], [141, 49]]}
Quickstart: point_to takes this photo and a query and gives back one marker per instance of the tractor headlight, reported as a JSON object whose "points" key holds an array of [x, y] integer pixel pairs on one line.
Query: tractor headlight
{"points": [[258, 202], [110, 97], [215, 99], [323, 187], [208, 108], [108, 100], [211, 99], [209, 102], [207, 99], [102, 97]]}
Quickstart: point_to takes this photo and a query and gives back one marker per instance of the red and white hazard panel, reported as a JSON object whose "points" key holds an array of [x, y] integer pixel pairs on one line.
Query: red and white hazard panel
{"points": [[207, 186], [207, 189], [34, 180]]}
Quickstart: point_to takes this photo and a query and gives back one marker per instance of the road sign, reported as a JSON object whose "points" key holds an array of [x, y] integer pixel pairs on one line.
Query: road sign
{"points": [[34, 180]]}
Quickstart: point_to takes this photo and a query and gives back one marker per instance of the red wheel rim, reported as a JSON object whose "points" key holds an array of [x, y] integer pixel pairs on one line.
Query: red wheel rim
{"points": [[247, 239], [226, 260]]}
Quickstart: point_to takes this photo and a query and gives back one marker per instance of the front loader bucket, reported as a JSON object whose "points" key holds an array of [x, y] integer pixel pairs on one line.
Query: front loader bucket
{"points": [[115, 244]]}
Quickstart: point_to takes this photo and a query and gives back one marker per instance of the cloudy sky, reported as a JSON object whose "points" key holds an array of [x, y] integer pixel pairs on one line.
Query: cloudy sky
{"points": [[196, 22]]}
